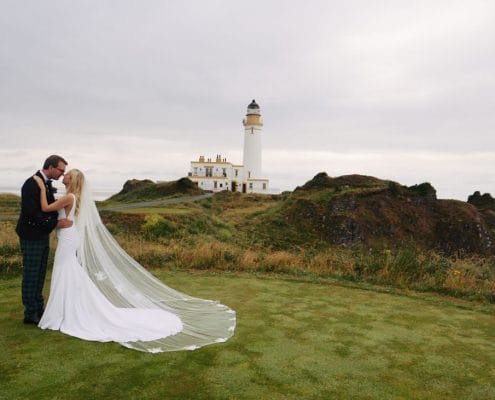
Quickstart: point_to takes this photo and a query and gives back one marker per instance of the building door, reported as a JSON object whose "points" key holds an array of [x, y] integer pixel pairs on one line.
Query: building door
{"points": [[243, 188], [234, 186]]}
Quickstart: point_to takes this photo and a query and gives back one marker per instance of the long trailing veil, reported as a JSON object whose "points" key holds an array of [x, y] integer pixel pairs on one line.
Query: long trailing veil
{"points": [[125, 283]]}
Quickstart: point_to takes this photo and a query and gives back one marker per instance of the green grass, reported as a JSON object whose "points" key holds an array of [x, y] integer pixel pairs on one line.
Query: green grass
{"points": [[294, 340]]}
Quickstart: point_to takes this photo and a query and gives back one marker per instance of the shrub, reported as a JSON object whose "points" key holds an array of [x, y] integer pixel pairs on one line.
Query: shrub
{"points": [[424, 189], [394, 188], [206, 203], [156, 226], [405, 264], [198, 225]]}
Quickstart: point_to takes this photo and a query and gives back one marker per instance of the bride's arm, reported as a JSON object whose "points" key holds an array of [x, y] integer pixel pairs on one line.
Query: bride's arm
{"points": [[55, 206]]}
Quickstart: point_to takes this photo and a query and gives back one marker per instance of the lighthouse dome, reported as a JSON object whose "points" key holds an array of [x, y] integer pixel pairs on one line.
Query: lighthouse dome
{"points": [[253, 105]]}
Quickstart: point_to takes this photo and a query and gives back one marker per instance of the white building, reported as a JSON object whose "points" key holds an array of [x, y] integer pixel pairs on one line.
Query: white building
{"points": [[219, 174]]}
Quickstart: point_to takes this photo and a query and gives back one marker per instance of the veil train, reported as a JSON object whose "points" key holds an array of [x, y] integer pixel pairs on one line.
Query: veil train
{"points": [[125, 283]]}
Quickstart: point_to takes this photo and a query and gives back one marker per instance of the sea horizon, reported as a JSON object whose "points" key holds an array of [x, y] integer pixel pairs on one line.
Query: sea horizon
{"points": [[98, 194]]}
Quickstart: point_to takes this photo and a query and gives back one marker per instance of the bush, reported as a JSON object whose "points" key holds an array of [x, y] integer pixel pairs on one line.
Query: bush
{"points": [[394, 188], [198, 225], [405, 264], [156, 226], [206, 203], [425, 189]]}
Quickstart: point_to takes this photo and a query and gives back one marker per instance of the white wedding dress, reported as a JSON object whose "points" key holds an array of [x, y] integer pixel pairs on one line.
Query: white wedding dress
{"points": [[78, 308]]}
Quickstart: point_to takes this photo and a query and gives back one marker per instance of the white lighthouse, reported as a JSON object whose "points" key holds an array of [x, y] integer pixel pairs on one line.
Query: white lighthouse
{"points": [[252, 141], [218, 174]]}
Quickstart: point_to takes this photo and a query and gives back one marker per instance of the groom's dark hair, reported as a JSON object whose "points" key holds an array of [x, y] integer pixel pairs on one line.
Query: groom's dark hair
{"points": [[53, 161]]}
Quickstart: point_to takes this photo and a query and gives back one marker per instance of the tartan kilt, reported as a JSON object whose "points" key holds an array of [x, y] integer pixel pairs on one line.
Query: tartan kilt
{"points": [[34, 261]]}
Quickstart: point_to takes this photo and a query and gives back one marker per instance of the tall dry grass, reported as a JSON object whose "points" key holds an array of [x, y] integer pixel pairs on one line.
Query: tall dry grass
{"points": [[404, 267], [282, 261], [10, 254], [471, 275]]}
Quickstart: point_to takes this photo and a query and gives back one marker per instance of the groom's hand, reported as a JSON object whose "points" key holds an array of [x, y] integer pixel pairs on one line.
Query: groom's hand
{"points": [[64, 223]]}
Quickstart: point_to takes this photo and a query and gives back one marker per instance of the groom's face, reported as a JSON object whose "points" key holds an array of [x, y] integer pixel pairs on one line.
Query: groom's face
{"points": [[56, 172]]}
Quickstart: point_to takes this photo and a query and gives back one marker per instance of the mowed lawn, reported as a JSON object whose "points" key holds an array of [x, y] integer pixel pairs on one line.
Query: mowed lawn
{"points": [[294, 340]]}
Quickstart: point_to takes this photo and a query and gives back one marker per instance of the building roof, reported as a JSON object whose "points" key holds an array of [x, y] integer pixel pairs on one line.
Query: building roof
{"points": [[212, 162]]}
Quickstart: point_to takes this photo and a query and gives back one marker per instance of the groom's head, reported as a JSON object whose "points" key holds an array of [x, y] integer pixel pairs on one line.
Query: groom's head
{"points": [[54, 167]]}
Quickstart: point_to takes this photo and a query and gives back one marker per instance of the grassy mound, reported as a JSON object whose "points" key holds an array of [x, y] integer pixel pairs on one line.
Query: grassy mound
{"points": [[145, 190]]}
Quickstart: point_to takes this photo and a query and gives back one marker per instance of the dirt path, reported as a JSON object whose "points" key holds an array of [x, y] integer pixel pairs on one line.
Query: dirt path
{"points": [[157, 202], [10, 217]]}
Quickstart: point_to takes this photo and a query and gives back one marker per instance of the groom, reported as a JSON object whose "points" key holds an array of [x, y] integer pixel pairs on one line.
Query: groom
{"points": [[34, 227]]}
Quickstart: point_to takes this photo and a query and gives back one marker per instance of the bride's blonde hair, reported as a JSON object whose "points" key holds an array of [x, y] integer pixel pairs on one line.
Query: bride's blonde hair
{"points": [[75, 185]]}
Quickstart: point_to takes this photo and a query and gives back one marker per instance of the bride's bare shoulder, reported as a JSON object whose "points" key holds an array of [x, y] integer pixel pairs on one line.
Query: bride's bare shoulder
{"points": [[67, 199]]}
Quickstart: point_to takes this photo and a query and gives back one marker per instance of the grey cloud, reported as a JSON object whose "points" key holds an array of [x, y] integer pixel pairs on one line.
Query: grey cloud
{"points": [[347, 77]]}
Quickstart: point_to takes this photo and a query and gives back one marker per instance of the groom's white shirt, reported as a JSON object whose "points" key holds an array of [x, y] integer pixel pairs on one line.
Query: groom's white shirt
{"points": [[44, 176]]}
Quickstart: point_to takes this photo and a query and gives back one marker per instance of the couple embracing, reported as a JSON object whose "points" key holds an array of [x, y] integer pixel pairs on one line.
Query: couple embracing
{"points": [[98, 292]]}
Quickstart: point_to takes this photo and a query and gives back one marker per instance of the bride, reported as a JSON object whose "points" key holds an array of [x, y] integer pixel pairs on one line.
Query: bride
{"points": [[98, 292]]}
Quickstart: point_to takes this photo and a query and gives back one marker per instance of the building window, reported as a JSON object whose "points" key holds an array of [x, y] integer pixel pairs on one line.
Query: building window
{"points": [[209, 171], [195, 171], [249, 174], [224, 172], [264, 186], [250, 185], [221, 185], [215, 184], [236, 172]]}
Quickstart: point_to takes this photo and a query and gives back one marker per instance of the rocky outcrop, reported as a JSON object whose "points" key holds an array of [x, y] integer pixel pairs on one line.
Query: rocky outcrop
{"points": [[322, 180], [356, 209], [482, 202]]}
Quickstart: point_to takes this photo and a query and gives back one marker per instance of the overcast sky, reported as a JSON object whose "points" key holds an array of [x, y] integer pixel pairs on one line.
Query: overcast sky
{"points": [[401, 90]]}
